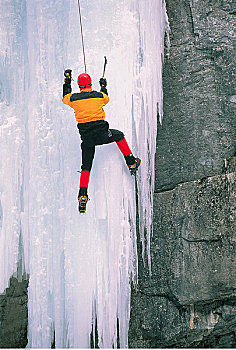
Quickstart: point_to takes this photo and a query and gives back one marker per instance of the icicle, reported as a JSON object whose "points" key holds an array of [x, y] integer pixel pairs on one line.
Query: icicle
{"points": [[148, 97], [12, 135]]}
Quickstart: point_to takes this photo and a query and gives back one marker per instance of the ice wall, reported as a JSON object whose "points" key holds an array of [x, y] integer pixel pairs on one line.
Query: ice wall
{"points": [[80, 266], [13, 132]]}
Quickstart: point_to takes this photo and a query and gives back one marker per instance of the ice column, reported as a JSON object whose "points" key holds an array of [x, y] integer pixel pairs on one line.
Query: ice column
{"points": [[13, 134], [153, 29]]}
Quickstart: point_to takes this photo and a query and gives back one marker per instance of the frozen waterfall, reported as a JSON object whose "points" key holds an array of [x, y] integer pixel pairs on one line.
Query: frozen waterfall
{"points": [[80, 266]]}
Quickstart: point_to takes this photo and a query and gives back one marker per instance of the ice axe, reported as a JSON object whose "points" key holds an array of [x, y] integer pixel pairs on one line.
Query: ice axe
{"points": [[105, 63]]}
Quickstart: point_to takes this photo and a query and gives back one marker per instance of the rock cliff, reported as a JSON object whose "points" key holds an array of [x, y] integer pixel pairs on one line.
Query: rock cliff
{"points": [[190, 300], [14, 315]]}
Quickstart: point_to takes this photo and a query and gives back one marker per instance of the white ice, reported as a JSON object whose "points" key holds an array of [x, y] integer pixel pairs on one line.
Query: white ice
{"points": [[80, 266]]}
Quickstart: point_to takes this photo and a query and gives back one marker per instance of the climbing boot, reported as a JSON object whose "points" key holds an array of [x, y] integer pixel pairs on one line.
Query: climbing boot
{"points": [[134, 167], [82, 203]]}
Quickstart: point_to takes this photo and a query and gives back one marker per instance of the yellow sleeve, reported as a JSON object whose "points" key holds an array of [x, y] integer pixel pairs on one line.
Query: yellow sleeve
{"points": [[105, 99], [66, 100]]}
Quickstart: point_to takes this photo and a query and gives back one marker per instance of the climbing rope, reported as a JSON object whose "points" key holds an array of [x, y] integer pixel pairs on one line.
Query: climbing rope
{"points": [[82, 36]]}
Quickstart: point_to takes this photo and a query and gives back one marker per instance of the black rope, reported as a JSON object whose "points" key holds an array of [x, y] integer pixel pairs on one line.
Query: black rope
{"points": [[82, 36]]}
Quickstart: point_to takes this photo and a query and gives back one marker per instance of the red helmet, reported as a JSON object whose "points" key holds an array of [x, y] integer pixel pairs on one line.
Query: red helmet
{"points": [[84, 80]]}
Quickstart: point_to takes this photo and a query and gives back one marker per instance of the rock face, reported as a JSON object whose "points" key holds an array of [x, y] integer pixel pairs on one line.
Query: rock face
{"points": [[199, 125], [190, 299], [14, 315]]}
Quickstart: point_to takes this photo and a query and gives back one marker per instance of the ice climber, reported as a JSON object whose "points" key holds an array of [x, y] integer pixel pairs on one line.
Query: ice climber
{"points": [[93, 129]]}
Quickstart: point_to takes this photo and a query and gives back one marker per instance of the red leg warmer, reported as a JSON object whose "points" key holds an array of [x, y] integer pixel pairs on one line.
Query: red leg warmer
{"points": [[84, 178], [124, 148]]}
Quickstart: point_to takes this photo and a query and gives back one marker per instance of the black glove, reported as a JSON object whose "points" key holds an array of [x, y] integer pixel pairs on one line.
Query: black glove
{"points": [[68, 76], [103, 82]]}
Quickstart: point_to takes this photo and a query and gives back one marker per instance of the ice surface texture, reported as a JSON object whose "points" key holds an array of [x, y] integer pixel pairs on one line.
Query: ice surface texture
{"points": [[80, 266]]}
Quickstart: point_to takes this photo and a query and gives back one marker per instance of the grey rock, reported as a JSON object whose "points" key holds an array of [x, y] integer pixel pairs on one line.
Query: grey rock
{"points": [[195, 238], [14, 315], [190, 298], [199, 125]]}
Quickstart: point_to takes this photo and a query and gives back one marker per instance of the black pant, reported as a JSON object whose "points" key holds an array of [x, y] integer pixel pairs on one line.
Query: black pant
{"points": [[94, 134]]}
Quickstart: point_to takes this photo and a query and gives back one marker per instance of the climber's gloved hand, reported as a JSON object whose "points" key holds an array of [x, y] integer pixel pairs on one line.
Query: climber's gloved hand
{"points": [[68, 76], [103, 82]]}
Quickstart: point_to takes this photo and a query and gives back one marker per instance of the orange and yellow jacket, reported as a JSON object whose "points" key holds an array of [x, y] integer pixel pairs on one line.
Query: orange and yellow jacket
{"points": [[88, 105]]}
